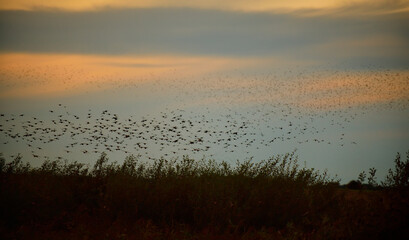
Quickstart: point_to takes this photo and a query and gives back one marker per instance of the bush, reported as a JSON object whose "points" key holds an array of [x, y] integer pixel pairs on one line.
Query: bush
{"points": [[188, 199], [399, 177], [355, 185]]}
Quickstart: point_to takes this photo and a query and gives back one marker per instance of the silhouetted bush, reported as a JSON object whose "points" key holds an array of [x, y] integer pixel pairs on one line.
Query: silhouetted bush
{"points": [[186, 199], [399, 177], [354, 185]]}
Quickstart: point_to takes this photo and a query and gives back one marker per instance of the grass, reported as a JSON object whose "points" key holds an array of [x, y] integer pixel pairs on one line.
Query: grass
{"points": [[188, 199]]}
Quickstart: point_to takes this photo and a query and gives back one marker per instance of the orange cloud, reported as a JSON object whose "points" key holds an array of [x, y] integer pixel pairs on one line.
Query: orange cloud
{"points": [[354, 88], [201, 80], [378, 6], [30, 75]]}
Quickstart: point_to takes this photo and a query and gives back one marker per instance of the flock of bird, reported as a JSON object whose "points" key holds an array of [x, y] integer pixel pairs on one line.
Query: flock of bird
{"points": [[215, 115]]}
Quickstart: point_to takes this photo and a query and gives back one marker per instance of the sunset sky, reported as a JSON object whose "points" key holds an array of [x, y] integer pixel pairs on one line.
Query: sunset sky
{"points": [[318, 57], [137, 37], [367, 6], [339, 32]]}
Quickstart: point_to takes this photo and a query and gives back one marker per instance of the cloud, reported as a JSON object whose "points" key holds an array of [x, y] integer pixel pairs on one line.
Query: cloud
{"points": [[243, 5], [184, 31], [360, 6]]}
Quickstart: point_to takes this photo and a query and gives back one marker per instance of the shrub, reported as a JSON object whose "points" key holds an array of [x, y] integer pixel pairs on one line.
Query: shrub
{"points": [[399, 177], [355, 185], [188, 199]]}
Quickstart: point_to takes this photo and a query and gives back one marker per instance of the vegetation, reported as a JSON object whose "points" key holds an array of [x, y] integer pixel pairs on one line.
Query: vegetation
{"points": [[399, 177], [188, 199]]}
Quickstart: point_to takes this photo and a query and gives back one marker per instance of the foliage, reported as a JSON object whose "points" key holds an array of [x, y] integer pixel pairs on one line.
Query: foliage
{"points": [[189, 199], [362, 177], [399, 177], [372, 177]]}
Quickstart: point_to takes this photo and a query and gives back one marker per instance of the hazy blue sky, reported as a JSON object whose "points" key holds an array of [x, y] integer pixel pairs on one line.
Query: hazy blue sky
{"points": [[337, 71]]}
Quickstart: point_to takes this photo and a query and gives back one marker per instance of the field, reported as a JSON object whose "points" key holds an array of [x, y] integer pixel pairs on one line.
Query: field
{"points": [[190, 199]]}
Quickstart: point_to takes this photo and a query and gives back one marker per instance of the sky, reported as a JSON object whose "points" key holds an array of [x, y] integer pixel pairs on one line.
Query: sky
{"points": [[365, 6], [151, 55], [343, 32]]}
